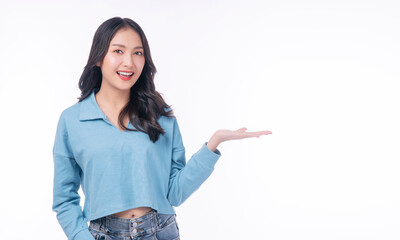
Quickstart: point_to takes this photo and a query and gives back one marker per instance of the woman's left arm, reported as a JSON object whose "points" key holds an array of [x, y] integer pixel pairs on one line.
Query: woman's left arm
{"points": [[186, 178]]}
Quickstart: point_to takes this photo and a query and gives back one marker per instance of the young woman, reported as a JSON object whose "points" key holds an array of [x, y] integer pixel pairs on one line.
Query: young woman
{"points": [[122, 144]]}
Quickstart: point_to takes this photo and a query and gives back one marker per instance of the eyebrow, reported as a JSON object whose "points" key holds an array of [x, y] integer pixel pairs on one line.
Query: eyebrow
{"points": [[120, 45]]}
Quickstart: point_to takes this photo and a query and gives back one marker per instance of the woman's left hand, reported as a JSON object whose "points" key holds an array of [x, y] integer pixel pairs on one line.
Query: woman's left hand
{"points": [[223, 135], [226, 134]]}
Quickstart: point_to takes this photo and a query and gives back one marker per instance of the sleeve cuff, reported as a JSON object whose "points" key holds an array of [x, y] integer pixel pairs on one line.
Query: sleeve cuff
{"points": [[215, 152], [208, 157], [84, 235]]}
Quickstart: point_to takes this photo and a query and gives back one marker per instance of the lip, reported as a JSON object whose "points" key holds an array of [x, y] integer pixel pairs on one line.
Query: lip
{"points": [[125, 78]]}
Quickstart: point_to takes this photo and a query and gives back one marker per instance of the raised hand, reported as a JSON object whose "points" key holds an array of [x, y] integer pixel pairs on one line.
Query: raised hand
{"points": [[226, 134], [223, 135]]}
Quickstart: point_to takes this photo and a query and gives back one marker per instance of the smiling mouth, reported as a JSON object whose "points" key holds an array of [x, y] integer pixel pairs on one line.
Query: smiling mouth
{"points": [[125, 74]]}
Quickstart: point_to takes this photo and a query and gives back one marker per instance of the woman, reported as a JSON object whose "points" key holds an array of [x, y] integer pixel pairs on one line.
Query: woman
{"points": [[122, 144]]}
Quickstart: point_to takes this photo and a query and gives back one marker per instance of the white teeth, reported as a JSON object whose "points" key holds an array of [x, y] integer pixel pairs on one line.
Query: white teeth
{"points": [[124, 73]]}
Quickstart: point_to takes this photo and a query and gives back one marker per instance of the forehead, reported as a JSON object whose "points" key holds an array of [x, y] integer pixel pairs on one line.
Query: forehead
{"points": [[126, 36]]}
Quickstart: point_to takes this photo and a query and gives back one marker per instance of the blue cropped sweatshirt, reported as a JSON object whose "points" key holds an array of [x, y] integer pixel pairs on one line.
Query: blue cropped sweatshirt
{"points": [[119, 170]]}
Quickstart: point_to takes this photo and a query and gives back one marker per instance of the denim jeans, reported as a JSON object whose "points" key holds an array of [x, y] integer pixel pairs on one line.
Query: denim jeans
{"points": [[152, 225]]}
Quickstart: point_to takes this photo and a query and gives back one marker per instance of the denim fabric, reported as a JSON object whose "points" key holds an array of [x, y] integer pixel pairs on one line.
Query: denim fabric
{"points": [[152, 225]]}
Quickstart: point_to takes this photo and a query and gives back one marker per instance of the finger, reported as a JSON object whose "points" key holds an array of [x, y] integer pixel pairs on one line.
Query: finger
{"points": [[260, 133], [263, 132]]}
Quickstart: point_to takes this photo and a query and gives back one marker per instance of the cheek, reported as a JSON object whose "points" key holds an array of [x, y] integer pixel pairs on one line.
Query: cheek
{"points": [[140, 63], [112, 61]]}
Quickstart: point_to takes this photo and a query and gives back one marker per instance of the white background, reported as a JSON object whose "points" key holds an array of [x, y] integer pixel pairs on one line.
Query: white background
{"points": [[323, 76]]}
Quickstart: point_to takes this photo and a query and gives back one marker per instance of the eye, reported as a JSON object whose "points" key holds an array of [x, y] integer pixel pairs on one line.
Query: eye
{"points": [[117, 50], [139, 53]]}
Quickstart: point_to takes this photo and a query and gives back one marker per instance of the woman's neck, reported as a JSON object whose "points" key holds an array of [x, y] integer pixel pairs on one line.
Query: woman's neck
{"points": [[112, 99]]}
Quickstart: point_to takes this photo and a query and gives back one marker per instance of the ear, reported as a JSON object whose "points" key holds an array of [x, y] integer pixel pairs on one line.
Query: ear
{"points": [[98, 64]]}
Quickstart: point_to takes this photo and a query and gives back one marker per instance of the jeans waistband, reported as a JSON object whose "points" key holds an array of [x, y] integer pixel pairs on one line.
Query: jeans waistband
{"points": [[125, 226]]}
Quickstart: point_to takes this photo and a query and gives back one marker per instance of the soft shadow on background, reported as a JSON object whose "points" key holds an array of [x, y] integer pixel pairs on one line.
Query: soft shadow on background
{"points": [[323, 76]]}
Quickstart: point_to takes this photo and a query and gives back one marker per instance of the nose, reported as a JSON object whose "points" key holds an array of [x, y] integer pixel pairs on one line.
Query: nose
{"points": [[128, 60]]}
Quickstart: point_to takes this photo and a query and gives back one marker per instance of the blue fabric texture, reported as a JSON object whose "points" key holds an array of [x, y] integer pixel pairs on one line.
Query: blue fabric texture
{"points": [[119, 170]]}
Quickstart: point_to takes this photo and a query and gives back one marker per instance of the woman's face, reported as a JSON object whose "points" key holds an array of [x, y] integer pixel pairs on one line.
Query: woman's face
{"points": [[124, 61]]}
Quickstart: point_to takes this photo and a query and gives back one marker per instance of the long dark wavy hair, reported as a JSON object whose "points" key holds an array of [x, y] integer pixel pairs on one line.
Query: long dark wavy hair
{"points": [[145, 105]]}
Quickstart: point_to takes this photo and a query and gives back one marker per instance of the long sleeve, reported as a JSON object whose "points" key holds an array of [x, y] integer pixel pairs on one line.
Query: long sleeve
{"points": [[186, 178], [66, 185]]}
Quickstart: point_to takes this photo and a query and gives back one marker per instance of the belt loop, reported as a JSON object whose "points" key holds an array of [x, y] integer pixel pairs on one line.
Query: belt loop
{"points": [[157, 219]]}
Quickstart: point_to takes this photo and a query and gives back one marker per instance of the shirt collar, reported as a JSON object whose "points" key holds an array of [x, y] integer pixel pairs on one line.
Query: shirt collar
{"points": [[89, 108]]}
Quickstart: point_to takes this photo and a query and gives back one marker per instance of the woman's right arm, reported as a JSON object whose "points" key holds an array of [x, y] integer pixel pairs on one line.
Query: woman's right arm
{"points": [[66, 198]]}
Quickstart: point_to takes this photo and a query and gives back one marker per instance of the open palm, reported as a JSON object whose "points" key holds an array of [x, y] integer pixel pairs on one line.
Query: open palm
{"points": [[226, 134]]}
